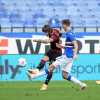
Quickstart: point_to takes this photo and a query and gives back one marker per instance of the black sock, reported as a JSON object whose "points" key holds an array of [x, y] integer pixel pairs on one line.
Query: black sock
{"points": [[49, 76], [41, 65]]}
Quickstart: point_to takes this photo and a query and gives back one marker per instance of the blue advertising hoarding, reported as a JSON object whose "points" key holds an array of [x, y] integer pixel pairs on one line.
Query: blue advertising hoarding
{"points": [[86, 67]]}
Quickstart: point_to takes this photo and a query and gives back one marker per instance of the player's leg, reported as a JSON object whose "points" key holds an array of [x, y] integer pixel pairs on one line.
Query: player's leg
{"points": [[41, 64], [53, 56], [33, 73], [50, 72], [38, 74], [67, 76], [50, 56], [48, 78], [74, 80], [43, 73]]}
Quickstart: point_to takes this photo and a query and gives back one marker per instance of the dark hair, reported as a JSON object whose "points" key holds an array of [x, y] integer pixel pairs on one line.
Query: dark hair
{"points": [[45, 28], [66, 22]]}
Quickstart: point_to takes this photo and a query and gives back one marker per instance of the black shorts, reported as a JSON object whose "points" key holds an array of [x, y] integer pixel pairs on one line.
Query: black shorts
{"points": [[53, 54]]}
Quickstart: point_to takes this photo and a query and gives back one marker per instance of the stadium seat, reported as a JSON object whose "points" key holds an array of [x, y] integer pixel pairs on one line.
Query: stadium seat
{"points": [[39, 11]]}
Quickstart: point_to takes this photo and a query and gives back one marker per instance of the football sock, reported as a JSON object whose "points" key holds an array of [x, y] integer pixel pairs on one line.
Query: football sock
{"points": [[49, 76], [42, 73], [74, 80], [41, 65]]}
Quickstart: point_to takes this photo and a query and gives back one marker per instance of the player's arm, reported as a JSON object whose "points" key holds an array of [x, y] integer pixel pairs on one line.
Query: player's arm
{"points": [[54, 37], [75, 50], [59, 45], [43, 41]]}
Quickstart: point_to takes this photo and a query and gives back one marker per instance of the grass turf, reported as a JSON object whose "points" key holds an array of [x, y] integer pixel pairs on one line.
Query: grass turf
{"points": [[58, 90]]}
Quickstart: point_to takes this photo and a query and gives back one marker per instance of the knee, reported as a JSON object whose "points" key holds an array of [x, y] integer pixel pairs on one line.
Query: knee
{"points": [[64, 75], [45, 58], [51, 67]]}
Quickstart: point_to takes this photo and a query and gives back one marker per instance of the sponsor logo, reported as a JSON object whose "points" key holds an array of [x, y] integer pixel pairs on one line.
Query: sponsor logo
{"points": [[89, 45], [3, 46], [7, 68]]}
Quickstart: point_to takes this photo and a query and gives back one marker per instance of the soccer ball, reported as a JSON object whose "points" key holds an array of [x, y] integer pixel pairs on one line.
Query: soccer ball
{"points": [[22, 61]]}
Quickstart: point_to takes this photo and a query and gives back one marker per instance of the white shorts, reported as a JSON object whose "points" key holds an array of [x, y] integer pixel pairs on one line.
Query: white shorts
{"points": [[64, 62]]}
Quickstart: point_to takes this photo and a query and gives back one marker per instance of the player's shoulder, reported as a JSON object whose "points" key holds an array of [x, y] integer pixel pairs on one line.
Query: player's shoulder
{"points": [[70, 33]]}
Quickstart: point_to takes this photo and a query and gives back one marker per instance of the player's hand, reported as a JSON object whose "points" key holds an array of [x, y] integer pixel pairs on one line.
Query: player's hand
{"points": [[75, 57], [34, 40]]}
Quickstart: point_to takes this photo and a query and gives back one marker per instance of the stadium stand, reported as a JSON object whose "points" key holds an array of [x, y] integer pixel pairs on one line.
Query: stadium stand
{"points": [[34, 13]]}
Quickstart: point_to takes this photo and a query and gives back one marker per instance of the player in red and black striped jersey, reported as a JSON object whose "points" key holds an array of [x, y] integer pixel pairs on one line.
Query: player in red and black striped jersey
{"points": [[54, 51]]}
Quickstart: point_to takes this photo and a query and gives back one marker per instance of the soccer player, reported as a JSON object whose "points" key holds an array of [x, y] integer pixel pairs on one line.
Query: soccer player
{"points": [[70, 54], [66, 60], [54, 37]]}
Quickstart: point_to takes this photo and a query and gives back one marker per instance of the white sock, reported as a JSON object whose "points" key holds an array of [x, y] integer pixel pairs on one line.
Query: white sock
{"points": [[41, 73], [76, 81]]}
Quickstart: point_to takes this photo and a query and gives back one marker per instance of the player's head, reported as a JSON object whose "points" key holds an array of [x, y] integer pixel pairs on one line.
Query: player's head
{"points": [[46, 29], [54, 23], [66, 24]]}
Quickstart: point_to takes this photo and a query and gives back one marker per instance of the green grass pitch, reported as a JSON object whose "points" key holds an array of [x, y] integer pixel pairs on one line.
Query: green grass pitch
{"points": [[58, 90]]}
